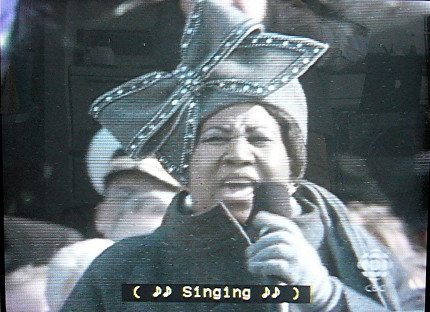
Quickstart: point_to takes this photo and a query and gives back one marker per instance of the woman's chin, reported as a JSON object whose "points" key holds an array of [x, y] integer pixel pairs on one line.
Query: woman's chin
{"points": [[240, 209]]}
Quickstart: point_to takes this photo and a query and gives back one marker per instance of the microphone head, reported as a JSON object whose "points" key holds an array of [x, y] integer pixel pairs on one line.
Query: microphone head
{"points": [[272, 197]]}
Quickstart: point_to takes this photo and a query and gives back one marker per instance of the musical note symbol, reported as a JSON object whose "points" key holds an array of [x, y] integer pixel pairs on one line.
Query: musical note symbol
{"points": [[135, 295], [266, 293], [296, 296], [157, 292], [168, 292], [276, 293]]}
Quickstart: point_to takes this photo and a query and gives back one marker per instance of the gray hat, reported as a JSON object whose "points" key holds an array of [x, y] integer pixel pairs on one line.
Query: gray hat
{"points": [[227, 58]]}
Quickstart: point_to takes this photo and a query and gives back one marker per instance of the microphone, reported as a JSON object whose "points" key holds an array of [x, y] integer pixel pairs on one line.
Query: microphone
{"points": [[272, 197], [275, 198]]}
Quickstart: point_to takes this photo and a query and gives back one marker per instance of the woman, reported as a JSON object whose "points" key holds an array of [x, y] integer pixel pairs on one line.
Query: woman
{"points": [[231, 123]]}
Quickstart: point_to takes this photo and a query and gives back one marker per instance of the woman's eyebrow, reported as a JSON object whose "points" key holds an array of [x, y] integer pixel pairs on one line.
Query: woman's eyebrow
{"points": [[253, 129], [224, 129]]}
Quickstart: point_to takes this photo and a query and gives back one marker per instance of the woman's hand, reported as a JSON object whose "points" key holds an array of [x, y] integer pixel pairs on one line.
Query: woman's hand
{"points": [[281, 252]]}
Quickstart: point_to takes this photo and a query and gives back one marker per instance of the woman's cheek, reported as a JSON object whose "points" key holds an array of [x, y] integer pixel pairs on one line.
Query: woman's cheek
{"points": [[274, 165]]}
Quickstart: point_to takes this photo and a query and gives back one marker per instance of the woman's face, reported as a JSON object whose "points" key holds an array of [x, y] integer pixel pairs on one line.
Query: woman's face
{"points": [[238, 147]]}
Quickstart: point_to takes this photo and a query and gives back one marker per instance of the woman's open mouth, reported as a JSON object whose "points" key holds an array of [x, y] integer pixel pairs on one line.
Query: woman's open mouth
{"points": [[237, 189]]}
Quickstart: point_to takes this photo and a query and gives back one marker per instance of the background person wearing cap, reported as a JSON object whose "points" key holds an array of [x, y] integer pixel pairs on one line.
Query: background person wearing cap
{"points": [[231, 123], [135, 193]]}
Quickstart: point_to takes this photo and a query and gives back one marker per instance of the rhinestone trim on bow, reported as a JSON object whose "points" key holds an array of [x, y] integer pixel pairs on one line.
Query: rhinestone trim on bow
{"points": [[193, 78]]}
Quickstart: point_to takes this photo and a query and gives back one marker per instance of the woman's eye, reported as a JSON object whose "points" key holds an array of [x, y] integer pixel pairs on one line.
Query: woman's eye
{"points": [[216, 139], [258, 139]]}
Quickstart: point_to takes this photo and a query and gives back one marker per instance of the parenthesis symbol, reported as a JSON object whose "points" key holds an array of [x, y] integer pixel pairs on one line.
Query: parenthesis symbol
{"points": [[296, 296], [135, 295]]}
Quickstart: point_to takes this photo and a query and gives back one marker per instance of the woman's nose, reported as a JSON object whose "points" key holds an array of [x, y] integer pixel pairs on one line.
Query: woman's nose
{"points": [[239, 151]]}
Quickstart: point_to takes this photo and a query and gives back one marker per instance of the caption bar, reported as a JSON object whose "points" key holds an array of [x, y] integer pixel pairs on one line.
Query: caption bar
{"points": [[216, 293]]}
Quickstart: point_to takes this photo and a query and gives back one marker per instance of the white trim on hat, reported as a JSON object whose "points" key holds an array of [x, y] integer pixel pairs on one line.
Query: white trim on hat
{"points": [[100, 162], [100, 152]]}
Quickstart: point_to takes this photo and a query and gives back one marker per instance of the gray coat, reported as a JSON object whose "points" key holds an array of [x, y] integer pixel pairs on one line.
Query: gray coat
{"points": [[210, 249]]}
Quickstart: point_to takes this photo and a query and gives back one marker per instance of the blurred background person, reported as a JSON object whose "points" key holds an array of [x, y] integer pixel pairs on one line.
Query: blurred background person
{"points": [[25, 289], [28, 248], [369, 207], [33, 242], [67, 266], [135, 193]]}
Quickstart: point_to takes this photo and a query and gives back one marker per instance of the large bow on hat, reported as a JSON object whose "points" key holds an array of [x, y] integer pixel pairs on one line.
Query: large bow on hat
{"points": [[227, 58]]}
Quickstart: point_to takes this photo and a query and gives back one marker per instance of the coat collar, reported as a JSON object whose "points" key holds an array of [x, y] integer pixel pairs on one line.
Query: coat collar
{"points": [[202, 231], [219, 225]]}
